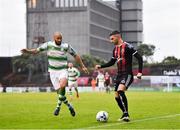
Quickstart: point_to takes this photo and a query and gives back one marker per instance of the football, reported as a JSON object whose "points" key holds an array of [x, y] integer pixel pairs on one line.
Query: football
{"points": [[102, 116]]}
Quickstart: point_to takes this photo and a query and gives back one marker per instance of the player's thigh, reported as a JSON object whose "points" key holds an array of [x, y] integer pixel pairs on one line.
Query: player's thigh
{"points": [[76, 84], [54, 80], [63, 76], [124, 81], [63, 82], [70, 84], [121, 87]]}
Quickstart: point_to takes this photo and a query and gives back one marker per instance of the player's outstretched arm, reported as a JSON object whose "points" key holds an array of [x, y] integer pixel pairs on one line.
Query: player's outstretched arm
{"points": [[30, 51], [108, 64], [79, 60], [140, 62]]}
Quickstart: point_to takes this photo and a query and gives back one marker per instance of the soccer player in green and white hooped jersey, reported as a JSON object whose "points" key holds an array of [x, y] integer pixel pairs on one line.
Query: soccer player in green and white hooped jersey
{"points": [[73, 75], [57, 58]]}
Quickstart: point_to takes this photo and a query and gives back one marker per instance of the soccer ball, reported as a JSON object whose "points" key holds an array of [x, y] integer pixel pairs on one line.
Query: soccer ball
{"points": [[102, 116]]}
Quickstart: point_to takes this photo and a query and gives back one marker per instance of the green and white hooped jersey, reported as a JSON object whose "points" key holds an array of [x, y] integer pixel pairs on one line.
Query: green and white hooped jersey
{"points": [[101, 78], [57, 55], [73, 73]]}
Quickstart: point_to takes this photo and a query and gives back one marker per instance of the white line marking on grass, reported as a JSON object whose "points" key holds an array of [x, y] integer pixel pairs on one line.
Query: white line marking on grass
{"points": [[140, 120]]}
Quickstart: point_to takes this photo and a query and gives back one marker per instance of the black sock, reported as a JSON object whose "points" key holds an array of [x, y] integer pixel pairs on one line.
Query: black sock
{"points": [[124, 101], [119, 103]]}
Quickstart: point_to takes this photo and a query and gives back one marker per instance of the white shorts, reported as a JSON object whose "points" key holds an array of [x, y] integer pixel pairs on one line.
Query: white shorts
{"points": [[101, 84], [72, 84], [56, 76]]}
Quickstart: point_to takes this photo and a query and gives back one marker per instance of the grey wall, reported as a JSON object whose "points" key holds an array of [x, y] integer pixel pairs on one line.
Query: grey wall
{"points": [[85, 26], [132, 24], [71, 22], [103, 20]]}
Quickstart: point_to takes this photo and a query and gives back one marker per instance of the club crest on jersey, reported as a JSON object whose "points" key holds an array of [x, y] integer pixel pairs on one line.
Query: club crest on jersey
{"points": [[123, 81]]}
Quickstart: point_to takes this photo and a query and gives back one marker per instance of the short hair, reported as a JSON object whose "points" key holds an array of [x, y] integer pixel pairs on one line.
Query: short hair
{"points": [[114, 33]]}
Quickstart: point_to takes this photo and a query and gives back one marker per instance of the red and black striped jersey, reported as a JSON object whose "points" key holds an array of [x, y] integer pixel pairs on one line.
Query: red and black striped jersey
{"points": [[123, 55]]}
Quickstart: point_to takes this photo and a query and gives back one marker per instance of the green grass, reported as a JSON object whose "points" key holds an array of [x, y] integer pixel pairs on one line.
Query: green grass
{"points": [[148, 110]]}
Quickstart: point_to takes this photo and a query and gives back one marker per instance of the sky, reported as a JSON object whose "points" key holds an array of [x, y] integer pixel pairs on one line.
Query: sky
{"points": [[162, 27], [161, 21], [12, 27]]}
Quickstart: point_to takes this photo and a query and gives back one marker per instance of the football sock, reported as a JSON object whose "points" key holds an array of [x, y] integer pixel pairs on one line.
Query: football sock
{"points": [[70, 92], [124, 101], [119, 103], [62, 98], [76, 89]]}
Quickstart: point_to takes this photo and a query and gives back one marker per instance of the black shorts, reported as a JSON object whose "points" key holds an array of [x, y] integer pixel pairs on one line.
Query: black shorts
{"points": [[107, 83], [125, 79]]}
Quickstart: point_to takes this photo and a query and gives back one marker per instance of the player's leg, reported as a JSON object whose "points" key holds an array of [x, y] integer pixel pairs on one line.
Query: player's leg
{"points": [[59, 81], [99, 86], [123, 86], [108, 88], [119, 101], [123, 101], [62, 98], [70, 89], [76, 89], [55, 81]]}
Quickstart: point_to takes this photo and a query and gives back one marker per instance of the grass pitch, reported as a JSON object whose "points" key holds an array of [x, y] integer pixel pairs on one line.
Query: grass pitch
{"points": [[148, 110]]}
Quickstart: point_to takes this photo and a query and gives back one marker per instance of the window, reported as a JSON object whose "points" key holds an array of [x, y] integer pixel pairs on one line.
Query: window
{"points": [[71, 3], [62, 3], [81, 2], [76, 3], [85, 2], [32, 3], [66, 3], [57, 3]]}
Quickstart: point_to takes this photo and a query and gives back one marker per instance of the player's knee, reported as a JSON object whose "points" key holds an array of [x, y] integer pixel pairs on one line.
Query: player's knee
{"points": [[121, 92], [62, 98], [121, 87], [116, 95]]}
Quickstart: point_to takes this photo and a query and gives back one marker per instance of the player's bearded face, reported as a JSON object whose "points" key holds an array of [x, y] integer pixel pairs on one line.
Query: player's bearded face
{"points": [[114, 39], [58, 40]]}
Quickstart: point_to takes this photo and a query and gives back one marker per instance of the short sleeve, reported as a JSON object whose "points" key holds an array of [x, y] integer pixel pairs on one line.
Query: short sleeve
{"points": [[43, 47], [77, 71]]}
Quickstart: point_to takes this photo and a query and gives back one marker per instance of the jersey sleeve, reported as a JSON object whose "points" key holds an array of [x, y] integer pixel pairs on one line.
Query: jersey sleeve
{"points": [[137, 56], [114, 56], [132, 50], [43, 47], [112, 60], [71, 51], [77, 71]]}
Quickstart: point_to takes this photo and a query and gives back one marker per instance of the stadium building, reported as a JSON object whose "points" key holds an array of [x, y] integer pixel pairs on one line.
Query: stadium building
{"points": [[85, 24]]}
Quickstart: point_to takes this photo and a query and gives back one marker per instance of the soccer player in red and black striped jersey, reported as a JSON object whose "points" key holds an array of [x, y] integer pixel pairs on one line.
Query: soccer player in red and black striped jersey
{"points": [[122, 55]]}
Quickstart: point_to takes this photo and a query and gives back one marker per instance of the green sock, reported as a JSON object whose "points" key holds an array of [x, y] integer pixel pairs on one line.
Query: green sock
{"points": [[62, 97], [76, 89], [70, 92]]}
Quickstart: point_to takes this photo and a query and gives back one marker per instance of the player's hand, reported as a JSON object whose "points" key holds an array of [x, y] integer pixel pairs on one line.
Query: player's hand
{"points": [[97, 67], [139, 75], [85, 70], [24, 51]]}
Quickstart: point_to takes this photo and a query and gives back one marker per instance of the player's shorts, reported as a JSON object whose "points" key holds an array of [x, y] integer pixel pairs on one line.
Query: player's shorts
{"points": [[125, 79], [101, 84], [56, 76], [107, 83], [72, 84]]}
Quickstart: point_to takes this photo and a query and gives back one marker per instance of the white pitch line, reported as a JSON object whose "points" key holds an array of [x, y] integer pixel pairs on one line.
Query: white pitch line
{"points": [[140, 120]]}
